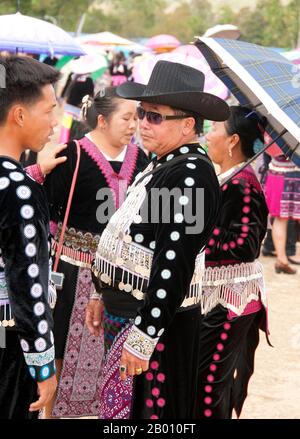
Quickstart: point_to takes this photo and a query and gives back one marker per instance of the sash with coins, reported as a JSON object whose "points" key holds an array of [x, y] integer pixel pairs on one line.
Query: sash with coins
{"points": [[6, 318], [126, 265]]}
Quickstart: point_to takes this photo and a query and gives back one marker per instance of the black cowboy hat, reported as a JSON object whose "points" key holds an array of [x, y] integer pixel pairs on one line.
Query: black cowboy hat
{"points": [[177, 86]]}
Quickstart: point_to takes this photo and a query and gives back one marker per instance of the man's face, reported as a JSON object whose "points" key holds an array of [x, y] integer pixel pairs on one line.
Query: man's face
{"points": [[162, 138], [39, 120]]}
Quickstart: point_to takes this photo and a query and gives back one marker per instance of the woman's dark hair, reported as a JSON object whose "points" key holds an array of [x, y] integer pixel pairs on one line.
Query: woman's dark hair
{"points": [[105, 103], [21, 80], [249, 125]]}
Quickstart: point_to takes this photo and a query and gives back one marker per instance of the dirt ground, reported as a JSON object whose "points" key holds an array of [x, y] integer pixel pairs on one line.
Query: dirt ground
{"points": [[274, 389]]}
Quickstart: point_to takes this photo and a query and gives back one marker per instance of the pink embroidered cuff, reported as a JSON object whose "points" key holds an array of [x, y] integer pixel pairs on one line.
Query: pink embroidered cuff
{"points": [[36, 173]]}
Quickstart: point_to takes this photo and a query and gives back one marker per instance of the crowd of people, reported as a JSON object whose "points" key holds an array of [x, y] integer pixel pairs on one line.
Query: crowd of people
{"points": [[153, 256]]}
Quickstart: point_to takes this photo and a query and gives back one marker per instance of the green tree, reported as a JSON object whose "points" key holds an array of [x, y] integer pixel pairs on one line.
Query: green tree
{"points": [[226, 15], [169, 24], [292, 20], [138, 17], [98, 21], [67, 12], [201, 16], [250, 22], [270, 23], [274, 31]]}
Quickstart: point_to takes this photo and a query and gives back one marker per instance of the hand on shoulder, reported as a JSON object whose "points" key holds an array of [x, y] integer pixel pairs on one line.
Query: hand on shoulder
{"points": [[47, 158]]}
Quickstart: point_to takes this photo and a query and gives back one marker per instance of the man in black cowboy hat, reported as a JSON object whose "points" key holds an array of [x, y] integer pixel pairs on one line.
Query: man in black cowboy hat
{"points": [[149, 261]]}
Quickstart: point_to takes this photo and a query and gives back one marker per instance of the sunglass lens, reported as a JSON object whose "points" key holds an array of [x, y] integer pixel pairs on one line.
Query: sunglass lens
{"points": [[141, 113], [154, 118]]}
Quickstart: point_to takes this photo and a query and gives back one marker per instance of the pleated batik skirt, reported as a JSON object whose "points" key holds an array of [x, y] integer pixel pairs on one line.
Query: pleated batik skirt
{"points": [[169, 389]]}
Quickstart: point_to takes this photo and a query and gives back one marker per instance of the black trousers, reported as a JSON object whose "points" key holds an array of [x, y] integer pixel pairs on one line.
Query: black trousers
{"points": [[169, 390], [227, 349], [17, 388]]}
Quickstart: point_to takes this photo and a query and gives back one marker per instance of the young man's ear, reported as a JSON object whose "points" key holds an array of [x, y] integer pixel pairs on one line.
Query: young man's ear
{"points": [[17, 114]]}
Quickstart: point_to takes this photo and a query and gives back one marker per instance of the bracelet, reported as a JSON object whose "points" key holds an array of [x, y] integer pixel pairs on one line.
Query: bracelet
{"points": [[95, 296]]}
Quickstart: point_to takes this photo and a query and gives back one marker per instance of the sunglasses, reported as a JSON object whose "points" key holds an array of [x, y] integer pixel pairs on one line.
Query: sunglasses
{"points": [[157, 118]]}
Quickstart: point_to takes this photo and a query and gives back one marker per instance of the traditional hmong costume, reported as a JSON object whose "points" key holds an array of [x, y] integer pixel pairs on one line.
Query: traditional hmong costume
{"points": [[282, 188], [148, 268], [233, 300], [82, 353], [27, 350]]}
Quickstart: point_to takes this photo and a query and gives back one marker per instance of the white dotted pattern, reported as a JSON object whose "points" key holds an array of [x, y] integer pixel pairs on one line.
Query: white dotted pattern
{"points": [[138, 320], [30, 250], [139, 238], [166, 274], [170, 255], [183, 200], [23, 192], [40, 344], [175, 236], [24, 345], [161, 293], [16, 176], [27, 211], [8, 165], [155, 312], [33, 270], [29, 231], [36, 290], [184, 150], [178, 218], [39, 309], [151, 330], [137, 219], [4, 183], [189, 181], [43, 327]]}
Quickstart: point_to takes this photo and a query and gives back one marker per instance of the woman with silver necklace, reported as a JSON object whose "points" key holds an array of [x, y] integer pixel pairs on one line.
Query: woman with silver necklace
{"points": [[233, 296]]}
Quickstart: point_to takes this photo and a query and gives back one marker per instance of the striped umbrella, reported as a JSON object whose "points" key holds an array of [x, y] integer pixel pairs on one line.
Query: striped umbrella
{"points": [[293, 55], [264, 81]]}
